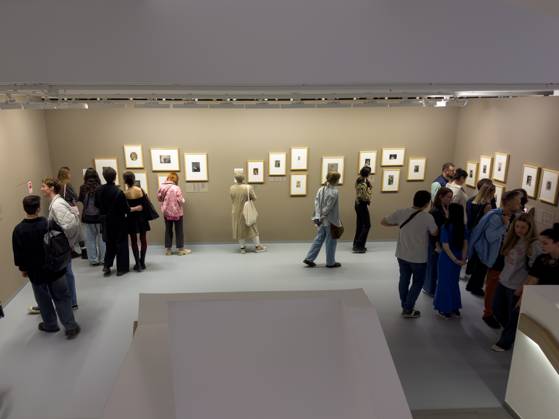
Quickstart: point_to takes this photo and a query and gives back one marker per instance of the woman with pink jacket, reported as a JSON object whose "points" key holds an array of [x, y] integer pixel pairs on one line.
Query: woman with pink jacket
{"points": [[171, 201]]}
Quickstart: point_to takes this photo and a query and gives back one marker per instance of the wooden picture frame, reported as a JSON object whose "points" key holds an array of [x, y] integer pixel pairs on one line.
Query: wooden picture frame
{"points": [[165, 160], [277, 163], [133, 156], [472, 168], [196, 167], [255, 171], [390, 180], [298, 184], [500, 167], [531, 179], [500, 189], [549, 186], [332, 163], [416, 169], [367, 158], [299, 158], [101, 162], [393, 157], [485, 167]]}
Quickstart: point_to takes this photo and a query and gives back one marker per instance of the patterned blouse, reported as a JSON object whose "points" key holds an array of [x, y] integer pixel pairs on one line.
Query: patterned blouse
{"points": [[364, 191]]}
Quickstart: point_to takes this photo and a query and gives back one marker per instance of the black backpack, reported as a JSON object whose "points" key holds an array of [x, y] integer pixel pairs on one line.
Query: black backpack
{"points": [[57, 249], [90, 211]]}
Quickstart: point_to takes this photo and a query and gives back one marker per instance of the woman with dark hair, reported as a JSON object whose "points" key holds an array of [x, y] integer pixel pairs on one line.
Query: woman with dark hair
{"points": [[439, 211], [136, 221], [454, 242], [364, 192], [91, 219]]}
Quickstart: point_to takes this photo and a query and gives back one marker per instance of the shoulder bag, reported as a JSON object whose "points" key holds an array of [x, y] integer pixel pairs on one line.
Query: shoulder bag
{"points": [[148, 208], [249, 210]]}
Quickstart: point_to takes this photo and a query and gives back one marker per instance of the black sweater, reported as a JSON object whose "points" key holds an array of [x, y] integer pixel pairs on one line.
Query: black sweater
{"points": [[29, 254]]}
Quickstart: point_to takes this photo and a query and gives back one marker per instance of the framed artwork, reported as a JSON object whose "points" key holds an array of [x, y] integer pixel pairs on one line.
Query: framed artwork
{"points": [[368, 158], [390, 180], [416, 169], [299, 158], [196, 167], [298, 185], [549, 186], [141, 181], [530, 179], [471, 169], [393, 156], [485, 163], [500, 167], [333, 164], [165, 160], [277, 164], [255, 171], [161, 177], [499, 191], [102, 163], [133, 157]]}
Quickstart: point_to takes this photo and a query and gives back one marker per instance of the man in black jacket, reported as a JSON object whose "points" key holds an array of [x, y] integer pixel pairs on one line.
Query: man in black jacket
{"points": [[48, 287]]}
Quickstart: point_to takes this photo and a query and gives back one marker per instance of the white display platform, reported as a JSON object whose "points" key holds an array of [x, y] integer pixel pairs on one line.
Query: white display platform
{"points": [[300, 354], [533, 385]]}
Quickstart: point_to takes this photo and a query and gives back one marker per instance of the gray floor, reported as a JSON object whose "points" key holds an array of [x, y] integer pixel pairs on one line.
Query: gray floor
{"points": [[443, 364]]}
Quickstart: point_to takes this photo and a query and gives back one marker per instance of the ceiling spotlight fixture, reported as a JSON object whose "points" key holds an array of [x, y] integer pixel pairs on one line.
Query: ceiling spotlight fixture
{"points": [[354, 98], [440, 103], [265, 99], [195, 99], [99, 99]]}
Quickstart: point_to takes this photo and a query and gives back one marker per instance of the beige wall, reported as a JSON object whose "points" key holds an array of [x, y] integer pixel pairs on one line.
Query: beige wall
{"points": [[231, 137], [24, 156], [526, 128]]}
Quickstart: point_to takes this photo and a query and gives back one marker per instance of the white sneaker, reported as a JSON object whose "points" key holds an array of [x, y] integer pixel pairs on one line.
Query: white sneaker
{"points": [[243, 250], [168, 252], [183, 252], [260, 249]]}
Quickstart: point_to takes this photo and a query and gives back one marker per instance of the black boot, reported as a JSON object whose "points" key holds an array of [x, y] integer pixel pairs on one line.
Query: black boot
{"points": [[143, 260], [137, 267]]}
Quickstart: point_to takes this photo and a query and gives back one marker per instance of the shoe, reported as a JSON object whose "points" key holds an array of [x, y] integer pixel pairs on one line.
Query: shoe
{"points": [[168, 252], [411, 314], [137, 268], [491, 322], [478, 292], [183, 252], [243, 250], [43, 328], [359, 251], [427, 293], [120, 273], [260, 249], [84, 253], [75, 254], [335, 265], [457, 314], [106, 272], [75, 307], [72, 333], [497, 348], [95, 263], [33, 310], [443, 315], [309, 263]]}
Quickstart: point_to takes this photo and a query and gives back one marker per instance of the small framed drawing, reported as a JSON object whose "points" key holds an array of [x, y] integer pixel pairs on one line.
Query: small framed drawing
{"points": [[165, 160], [369, 159], [471, 169], [133, 157], [549, 186], [390, 180], [530, 179], [161, 178], [485, 167], [333, 164], [500, 167], [141, 180], [393, 156], [100, 164], [277, 164], [416, 168], [298, 185], [255, 170], [499, 191], [299, 158], [196, 167]]}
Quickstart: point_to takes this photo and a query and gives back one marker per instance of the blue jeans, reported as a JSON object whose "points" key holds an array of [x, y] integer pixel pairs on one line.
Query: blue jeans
{"points": [[71, 282], [408, 295], [323, 235], [94, 243], [56, 292]]}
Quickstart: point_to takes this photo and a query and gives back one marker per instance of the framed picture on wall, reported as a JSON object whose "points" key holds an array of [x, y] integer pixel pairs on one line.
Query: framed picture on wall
{"points": [[393, 156], [549, 186], [255, 171], [133, 157], [165, 160], [299, 158], [485, 163], [500, 167], [499, 191], [369, 159], [471, 169], [141, 181], [416, 169], [332, 164], [298, 185], [277, 165], [100, 164], [530, 179], [161, 178], [196, 167], [390, 180]]}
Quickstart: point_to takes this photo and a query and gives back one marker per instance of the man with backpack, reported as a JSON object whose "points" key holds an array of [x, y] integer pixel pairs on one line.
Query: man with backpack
{"points": [[33, 257], [412, 249]]}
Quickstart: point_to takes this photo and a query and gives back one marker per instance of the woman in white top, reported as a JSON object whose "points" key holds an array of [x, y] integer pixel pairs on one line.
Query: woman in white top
{"points": [[459, 195]]}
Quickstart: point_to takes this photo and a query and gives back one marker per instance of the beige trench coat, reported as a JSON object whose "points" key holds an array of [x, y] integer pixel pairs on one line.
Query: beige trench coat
{"points": [[239, 196]]}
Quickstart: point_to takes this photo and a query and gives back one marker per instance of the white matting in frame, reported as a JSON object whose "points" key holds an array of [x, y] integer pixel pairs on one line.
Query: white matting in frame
{"points": [[393, 156], [161, 178], [277, 164], [255, 171], [500, 167], [471, 169], [108, 162], [549, 186], [485, 165], [298, 185], [369, 159], [390, 180], [333, 164], [141, 181], [416, 168], [196, 167], [499, 192], [299, 158], [165, 160], [530, 179], [133, 156]]}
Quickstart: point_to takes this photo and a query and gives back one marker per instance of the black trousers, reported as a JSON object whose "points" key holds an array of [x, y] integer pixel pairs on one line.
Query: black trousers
{"points": [[363, 225], [118, 248], [478, 272], [178, 225]]}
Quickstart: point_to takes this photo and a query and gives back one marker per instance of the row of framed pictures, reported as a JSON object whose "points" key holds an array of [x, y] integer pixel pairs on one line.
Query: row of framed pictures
{"points": [[489, 167]]}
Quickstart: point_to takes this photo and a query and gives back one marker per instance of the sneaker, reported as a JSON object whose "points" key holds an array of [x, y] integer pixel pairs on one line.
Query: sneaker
{"points": [[243, 250], [478, 292], [260, 249], [335, 265], [456, 313], [309, 263], [75, 307], [183, 252], [491, 322], [168, 252], [443, 315], [411, 314], [497, 348], [72, 333], [33, 310], [43, 328]]}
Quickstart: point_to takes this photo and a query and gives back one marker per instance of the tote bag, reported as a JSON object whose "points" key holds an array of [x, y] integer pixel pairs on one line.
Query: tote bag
{"points": [[249, 210]]}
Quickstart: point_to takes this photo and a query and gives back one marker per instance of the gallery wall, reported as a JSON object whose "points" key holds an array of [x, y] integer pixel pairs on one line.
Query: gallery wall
{"points": [[24, 156], [525, 128], [231, 137]]}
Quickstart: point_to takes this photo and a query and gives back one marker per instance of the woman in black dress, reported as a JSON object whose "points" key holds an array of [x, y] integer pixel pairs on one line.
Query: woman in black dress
{"points": [[137, 223]]}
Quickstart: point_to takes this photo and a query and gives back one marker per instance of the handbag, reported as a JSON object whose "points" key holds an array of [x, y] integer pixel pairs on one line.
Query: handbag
{"points": [[249, 210], [149, 210], [336, 231]]}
